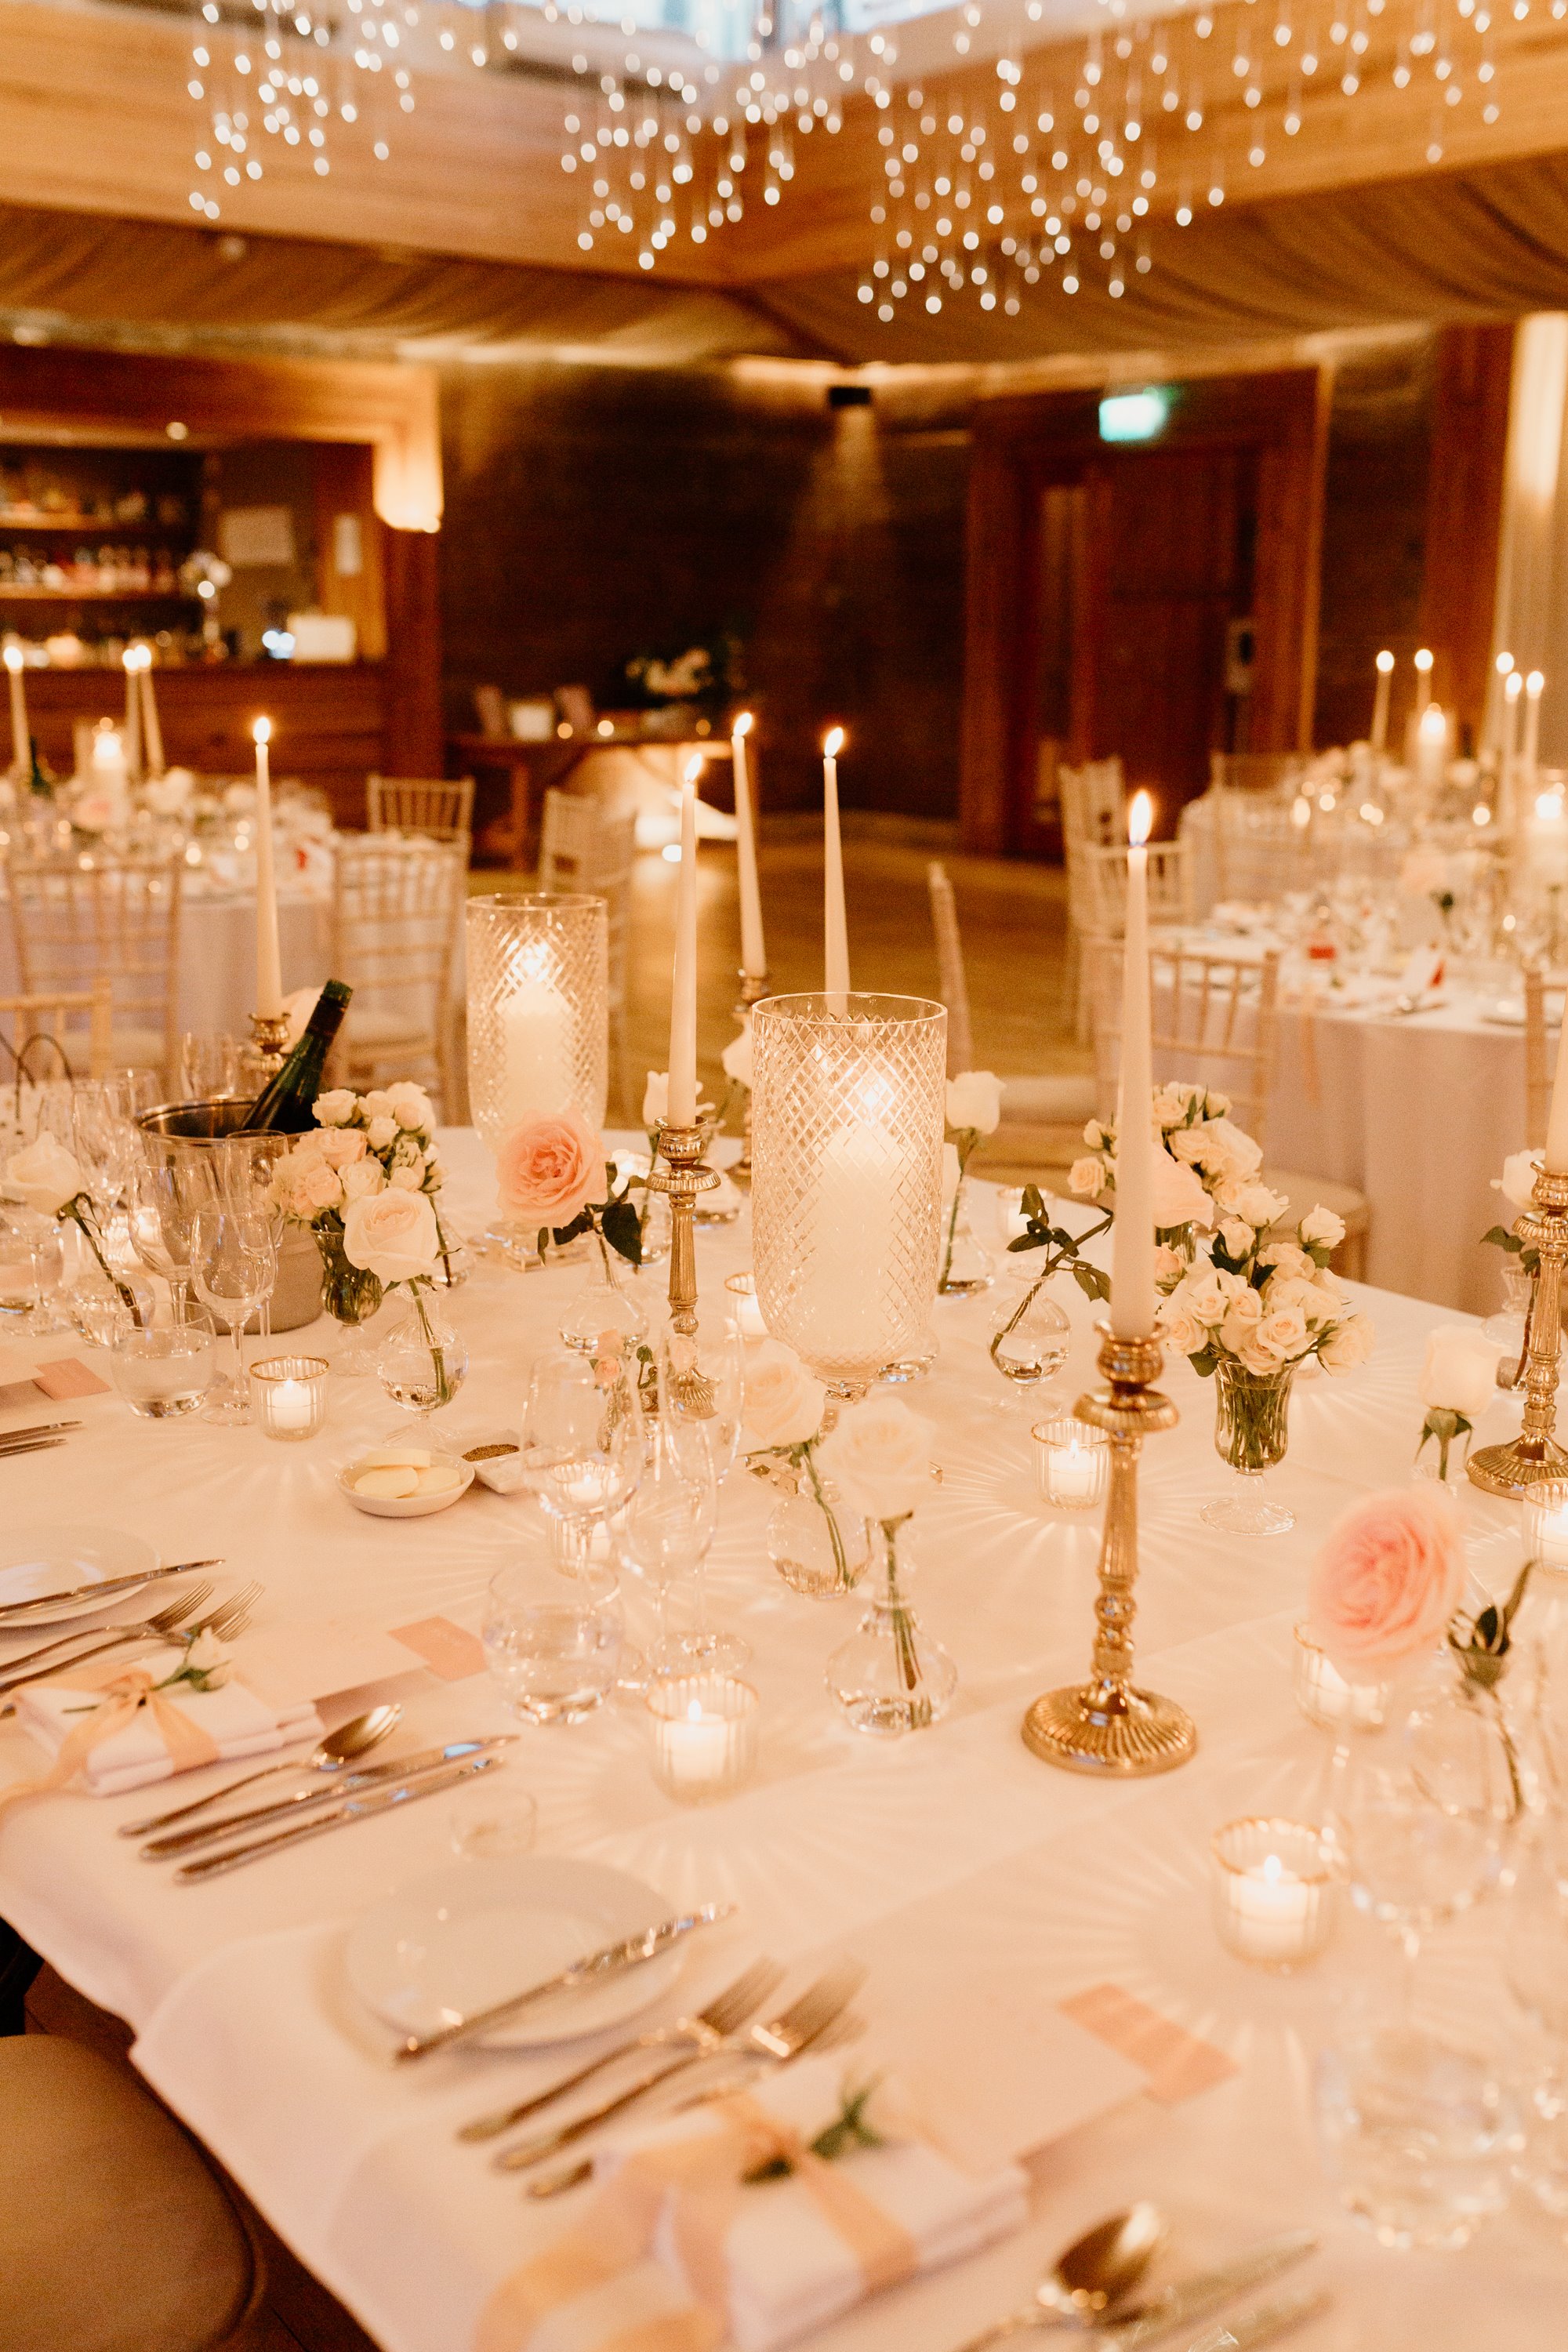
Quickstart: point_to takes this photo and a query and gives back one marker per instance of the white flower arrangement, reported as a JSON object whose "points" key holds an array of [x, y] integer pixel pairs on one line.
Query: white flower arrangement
{"points": [[361, 1145]]}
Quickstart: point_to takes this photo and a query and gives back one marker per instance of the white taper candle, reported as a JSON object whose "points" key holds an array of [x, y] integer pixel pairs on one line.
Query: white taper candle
{"points": [[754, 953], [681, 1108], [835, 925], [1379, 738], [21, 748], [1132, 1234], [269, 965]]}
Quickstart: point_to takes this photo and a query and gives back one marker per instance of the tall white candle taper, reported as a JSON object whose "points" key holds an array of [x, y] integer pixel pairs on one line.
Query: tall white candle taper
{"points": [[152, 732], [681, 1109], [1508, 772], [1423, 678], [835, 925], [131, 657], [753, 954], [1557, 1123], [1380, 702], [1132, 1235], [21, 749], [1533, 686], [269, 966]]}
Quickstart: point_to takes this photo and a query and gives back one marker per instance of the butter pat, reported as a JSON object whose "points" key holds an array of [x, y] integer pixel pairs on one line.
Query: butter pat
{"points": [[391, 1483]]}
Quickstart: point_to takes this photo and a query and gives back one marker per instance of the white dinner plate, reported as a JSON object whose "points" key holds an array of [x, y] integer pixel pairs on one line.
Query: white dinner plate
{"points": [[471, 1935], [47, 1558]]}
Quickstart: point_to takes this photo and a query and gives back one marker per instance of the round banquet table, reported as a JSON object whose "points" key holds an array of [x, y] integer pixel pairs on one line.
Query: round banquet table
{"points": [[981, 1886]]}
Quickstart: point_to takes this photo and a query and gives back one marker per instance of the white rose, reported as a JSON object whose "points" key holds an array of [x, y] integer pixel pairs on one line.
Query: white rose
{"points": [[737, 1060], [1186, 1144], [1460, 1373], [1242, 1318], [377, 1104], [1237, 1236], [1348, 1347], [879, 1457], [656, 1098], [1517, 1183], [1327, 1303], [205, 1651], [362, 1179], [1287, 1258], [1172, 1104], [1282, 1335], [1095, 1136], [381, 1133], [1227, 1149], [411, 1107], [1201, 1295], [319, 1187], [1179, 1195], [341, 1145], [1287, 1290], [392, 1234], [46, 1176], [334, 1109], [1255, 1202], [784, 1401], [1322, 1226], [1170, 1265], [1086, 1177], [1259, 1360], [1179, 1330], [311, 1149], [975, 1099], [407, 1179]]}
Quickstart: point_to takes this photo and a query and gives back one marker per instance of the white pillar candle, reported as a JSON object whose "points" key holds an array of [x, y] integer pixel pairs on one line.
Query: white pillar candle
{"points": [[152, 731], [1491, 739], [681, 1108], [1380, 702], [1556, 1162], [1270, 1906], [269, 966], [131, 657], [536, 1067], [753, 954], [21, 746], [856, 1225], [1422, 680], [835, 925], [1132, 1234], [1533, 686]]}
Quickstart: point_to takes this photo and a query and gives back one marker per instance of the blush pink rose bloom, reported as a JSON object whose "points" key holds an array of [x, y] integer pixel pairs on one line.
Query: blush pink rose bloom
{"points": [[548, 1170], [1386, 1581]]}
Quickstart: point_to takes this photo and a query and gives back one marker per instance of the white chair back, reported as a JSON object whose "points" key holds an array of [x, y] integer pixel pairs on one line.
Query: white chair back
{"points": [[1103, 876], [117, 921], [78, 1023], [1214, 1023], [437, 807], [396, 910]]}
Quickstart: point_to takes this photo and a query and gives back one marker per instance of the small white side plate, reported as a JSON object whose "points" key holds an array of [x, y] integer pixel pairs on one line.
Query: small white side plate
{"points": [[406, 1507], [468, 1936], [47, 1558]]}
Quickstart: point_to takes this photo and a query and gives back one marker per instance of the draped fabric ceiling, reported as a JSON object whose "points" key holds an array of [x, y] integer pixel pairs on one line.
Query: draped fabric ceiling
{"points": [[1491, 243]]}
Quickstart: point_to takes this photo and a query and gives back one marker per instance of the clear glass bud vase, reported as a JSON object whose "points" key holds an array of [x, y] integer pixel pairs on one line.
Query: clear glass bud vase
{"points": [[422, 1365], [1030, 1342], [351, 1296], [1251, 1433], [891, 1676], [817, 1546], [967, 1265]]}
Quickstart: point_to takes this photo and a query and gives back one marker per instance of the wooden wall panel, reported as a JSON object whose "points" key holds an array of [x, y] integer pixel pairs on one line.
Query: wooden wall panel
{"points": [[415, 744], [1464, 510]]}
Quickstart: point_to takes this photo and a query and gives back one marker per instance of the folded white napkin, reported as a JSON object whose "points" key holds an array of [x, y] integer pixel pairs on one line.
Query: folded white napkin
{"points": [[789, 2268], [236, 1720]]}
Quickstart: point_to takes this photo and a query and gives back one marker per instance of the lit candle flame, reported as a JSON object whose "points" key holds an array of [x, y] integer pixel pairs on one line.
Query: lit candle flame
{"points": [[1513, 685], [833, 742], [1504, 664], [1141, 819], [1385, 662], [744, 723], [692, 770], [1423, 658], [1534, 683], [13, 658]]}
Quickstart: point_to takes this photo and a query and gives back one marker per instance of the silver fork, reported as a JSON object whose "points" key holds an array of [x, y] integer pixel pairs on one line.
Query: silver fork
{"points": [[232, 1616], [723, 2015], [155, 1628], [773, 2041], [844, 2030]]}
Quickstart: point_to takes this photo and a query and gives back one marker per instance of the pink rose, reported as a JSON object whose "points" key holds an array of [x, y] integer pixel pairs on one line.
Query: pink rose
{"points": [[548, 1170], [1386, 1581]]}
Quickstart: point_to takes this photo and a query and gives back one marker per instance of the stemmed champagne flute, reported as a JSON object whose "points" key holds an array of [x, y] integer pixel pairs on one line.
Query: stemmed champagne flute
{"points": [[164, 1195], [234, 1264], [701, 1398], [665, 1537]]}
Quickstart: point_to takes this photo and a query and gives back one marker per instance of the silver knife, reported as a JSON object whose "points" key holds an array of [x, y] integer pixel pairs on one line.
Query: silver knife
{"points": [[354, 1809], [34, 1445], [345, 1784], [1206, 2291], [18, 1611], [595, 1967], [1266, 2321]]}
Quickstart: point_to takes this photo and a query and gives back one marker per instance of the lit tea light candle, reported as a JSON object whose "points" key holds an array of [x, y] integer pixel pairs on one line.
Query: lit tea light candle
{"points": [[1326, 1698], [1546, 1522], [1273, 1891], [704, 1736], [289, 1396], [1070, 1459], [743, 1289]]}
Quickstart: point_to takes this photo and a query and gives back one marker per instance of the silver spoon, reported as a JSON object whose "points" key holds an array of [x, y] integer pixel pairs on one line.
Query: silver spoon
{"points": [[361, 1733], [1096, 2272]]}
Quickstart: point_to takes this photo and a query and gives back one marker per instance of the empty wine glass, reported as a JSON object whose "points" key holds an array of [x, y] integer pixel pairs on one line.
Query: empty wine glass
{"points": [[665, 1537], [164, 1195], [104, 1142], [234, 1264], [209, 1067], [703, 1386], [582, 1445], [32, 1260]]}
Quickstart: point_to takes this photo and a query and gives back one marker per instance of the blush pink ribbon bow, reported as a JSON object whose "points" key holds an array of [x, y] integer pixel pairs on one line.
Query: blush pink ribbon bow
{"points": [[123, 1692]]}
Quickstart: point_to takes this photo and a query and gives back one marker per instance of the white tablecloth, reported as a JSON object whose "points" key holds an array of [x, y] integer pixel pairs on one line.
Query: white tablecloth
{"points": [[955, 1851]]}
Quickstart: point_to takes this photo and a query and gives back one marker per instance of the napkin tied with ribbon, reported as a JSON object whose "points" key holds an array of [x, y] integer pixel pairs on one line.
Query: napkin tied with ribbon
{"points": [[764, 2261]]}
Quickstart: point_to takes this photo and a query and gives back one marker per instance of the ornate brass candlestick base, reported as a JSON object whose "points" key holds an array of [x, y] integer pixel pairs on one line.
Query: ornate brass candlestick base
{"points": [[1535, 1453], [753, 988], [1105, 1726], [683, 1176], [266, 1048]]}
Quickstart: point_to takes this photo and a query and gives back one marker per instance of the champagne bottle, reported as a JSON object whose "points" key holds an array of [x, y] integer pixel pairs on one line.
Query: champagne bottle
{"points": [[286, 1106], [38, 783]]}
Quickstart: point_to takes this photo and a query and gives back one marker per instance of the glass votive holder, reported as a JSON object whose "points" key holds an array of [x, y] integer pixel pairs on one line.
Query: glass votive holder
{"points": [[1328, 1699], [1546, 1522], [1274, 1892], [704, 1736], [1071, 1461], [163, 1371], [289, 1396], [743, 1289]]}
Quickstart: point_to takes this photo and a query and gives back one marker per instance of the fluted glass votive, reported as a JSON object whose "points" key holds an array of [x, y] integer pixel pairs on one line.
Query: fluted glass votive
{"points": [[1546, 1522], [537, 993], [1328, 1699], [743, 1289], [704, 1736], [1273, 1891], [289, 1396], [847, 1100], [1071, 1459]]}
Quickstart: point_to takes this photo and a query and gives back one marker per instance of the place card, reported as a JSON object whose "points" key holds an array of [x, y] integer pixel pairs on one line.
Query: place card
{"points": [[446, 1648], [318, 1660], [67, 1376], [1177, 2064]]}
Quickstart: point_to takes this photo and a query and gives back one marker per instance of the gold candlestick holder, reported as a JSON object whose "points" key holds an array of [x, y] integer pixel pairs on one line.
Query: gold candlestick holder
{"points": [[1535, 1453], [682, 1177], [267, 1049], [1105, 1726], [754, 986]]}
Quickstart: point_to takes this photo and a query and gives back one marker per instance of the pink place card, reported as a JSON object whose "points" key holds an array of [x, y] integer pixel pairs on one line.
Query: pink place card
{"points": [[1176, 2063], [318, 1659], [446, 1648], [67, 1376]]}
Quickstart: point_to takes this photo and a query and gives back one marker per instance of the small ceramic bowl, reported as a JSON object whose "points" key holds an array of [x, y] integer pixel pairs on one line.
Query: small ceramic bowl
{"points": [[502, 1471], [404, 1506]]}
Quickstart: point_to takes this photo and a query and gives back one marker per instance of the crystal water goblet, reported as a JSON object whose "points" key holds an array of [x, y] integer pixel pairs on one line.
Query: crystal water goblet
{"points": [[582, 1445]]}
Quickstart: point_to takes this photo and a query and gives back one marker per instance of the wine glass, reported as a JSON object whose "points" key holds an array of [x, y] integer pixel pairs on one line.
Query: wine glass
{"points": [[32, 1260], [209, 1067], [703, 1387], [666, 1534], [582, 1445], [164, 1198], [234, 1264], [105, 1144]]}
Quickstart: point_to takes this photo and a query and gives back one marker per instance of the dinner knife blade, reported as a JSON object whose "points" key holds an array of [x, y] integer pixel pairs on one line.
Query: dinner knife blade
{"points": [[352, 1809], [612, 1960], [36, 1429], [34, 1445], [18, 1611], [1192, 2298], [1261, 2325], [328, 1790]]}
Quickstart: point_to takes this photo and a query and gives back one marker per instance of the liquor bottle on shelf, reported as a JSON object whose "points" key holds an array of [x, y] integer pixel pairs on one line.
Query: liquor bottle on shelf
{"points": [[286, 1106]]}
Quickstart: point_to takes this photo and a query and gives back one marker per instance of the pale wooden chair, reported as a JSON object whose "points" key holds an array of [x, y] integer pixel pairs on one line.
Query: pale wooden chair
{"points": [[1103, 892], [1537, 1059], [1255, 771], [1259, 851], [120, 922], [585, 845], [78, 1022], [1094, 814], [398, 908], [1216, 1022], [438, 807]]}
